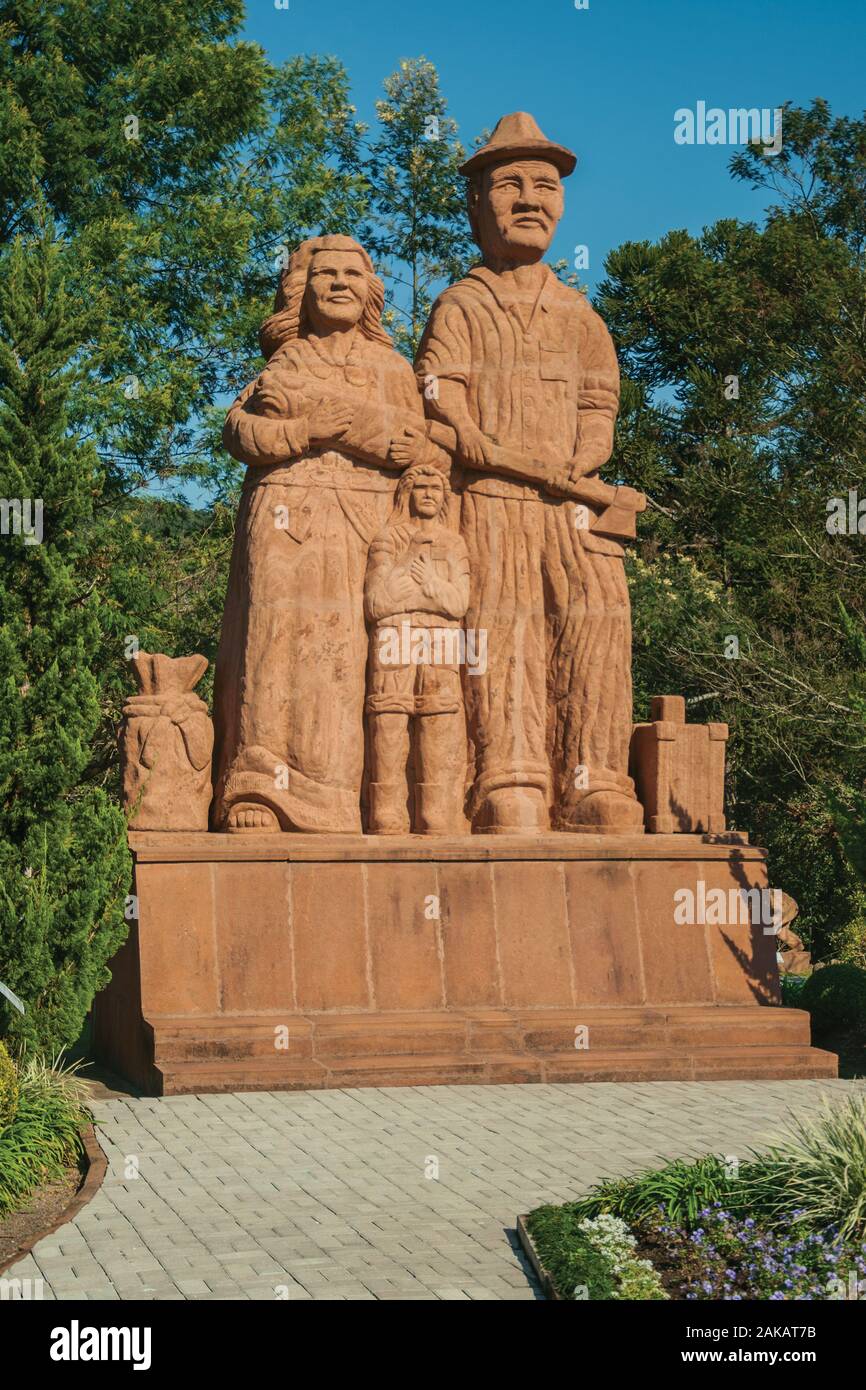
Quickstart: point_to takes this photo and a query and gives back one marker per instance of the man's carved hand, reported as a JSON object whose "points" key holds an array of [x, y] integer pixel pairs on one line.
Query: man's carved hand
{"points": [[423, 571], [585, 463], [328, 421], [410, 447], [558, 482], [473, 447]]}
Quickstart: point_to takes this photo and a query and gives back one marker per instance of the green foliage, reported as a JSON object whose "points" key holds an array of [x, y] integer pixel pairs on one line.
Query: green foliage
{"points": [[818, 1169], [44, 1138], [568, 1255], [676, 608], [8, 1088], [592, 1258], [681, 1188], [808, 857], [835, 997], [417, 232], [743, 417], [847, 806], [180, 165], [792, 990], [64, 867]]}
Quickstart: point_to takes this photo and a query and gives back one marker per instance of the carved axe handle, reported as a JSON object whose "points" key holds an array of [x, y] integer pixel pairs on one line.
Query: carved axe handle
{"points": [[619, 505]]}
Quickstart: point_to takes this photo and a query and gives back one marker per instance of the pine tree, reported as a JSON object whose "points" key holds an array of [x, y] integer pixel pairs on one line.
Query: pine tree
{"points": [[64, 866], [420, 235]]}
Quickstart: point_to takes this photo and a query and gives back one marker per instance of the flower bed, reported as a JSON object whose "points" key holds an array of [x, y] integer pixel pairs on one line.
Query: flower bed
{"points": [[790, 1223]]}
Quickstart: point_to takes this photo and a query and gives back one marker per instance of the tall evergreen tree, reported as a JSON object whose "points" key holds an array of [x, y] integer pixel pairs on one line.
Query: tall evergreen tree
{"points": [[63, 860]]}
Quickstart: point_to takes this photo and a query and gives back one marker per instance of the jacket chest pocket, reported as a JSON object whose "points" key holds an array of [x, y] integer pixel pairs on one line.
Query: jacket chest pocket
{"points": [[554, 364]]}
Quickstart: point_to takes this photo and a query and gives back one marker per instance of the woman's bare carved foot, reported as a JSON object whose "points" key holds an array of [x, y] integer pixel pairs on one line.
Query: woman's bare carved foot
{"points": [[245, 816]]}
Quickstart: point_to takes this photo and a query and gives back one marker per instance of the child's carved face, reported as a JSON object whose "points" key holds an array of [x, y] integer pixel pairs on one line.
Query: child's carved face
{"points": [[427, 497]]}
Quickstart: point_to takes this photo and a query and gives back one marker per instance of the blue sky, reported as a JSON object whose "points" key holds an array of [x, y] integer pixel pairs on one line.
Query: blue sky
{"points": [[606, 81]]}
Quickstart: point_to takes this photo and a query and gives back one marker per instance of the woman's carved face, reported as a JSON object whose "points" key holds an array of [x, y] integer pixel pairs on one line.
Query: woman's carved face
{"points": [[336, 290]]}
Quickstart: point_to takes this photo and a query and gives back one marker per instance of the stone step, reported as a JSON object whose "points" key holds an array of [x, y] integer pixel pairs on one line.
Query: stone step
{"points": [[303, 1037], [603, 1064]]}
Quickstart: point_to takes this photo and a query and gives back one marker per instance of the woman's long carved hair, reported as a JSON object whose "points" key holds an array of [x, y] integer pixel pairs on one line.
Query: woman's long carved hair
{"points": [[288, 320]]}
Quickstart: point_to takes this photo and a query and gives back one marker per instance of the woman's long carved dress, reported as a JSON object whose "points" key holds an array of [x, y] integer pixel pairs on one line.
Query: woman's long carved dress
{"points": [[290, 679]]}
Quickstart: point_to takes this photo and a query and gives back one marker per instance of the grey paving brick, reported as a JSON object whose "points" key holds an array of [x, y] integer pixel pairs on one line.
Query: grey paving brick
{"points": [[324, 1195]]}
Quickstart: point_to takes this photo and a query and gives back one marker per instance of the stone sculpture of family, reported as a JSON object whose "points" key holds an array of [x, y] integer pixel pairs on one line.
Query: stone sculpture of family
{"points": [[427, 625]]}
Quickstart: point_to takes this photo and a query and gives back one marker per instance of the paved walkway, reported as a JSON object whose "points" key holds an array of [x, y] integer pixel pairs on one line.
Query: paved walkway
{"points": [[403, 1193]]}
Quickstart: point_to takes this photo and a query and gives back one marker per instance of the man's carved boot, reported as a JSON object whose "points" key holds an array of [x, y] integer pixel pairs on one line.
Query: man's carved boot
{"points": [[513, 811], [606, 811]]}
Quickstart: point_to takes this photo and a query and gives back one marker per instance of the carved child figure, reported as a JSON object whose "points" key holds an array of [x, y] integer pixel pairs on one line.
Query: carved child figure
{"points": [[415, 595]]}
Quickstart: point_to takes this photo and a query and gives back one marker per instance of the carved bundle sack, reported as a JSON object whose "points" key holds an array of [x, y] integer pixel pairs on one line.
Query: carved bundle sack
{"points": [[166, 745]]}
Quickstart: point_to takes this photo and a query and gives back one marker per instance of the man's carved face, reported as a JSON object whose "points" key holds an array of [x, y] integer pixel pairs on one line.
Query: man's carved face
{"points": [[517, 209], [336, 290]]}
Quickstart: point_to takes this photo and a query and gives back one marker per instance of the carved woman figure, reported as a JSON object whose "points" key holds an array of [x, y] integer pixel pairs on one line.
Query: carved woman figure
{"points": [[323, 430]]}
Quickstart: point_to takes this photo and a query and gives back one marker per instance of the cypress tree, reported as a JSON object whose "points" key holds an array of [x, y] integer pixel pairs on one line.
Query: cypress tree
{"points": [[64, 866]]}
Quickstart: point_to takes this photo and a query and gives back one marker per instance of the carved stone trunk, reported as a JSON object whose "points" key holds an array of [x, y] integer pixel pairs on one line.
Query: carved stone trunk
{"points": [[679, 770]]}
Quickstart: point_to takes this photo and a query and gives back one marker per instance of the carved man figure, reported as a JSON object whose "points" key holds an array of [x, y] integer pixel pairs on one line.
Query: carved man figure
{"points": [[415, 594], [521, 376]]}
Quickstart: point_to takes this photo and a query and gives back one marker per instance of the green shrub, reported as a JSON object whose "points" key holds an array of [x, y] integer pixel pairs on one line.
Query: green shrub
{"points": [[682, 1189], [64, 862], [44, 1137], [836, 998], [8, 1088], [818, 1170], [792, 990]]}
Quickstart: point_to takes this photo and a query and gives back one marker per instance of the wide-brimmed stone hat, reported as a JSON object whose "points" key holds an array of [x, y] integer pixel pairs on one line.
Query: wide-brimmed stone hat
{"points": [[518, 136]]}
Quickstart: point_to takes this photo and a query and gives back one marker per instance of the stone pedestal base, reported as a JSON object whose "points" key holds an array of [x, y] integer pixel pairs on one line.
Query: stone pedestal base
{"points": [[266, 962]]}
